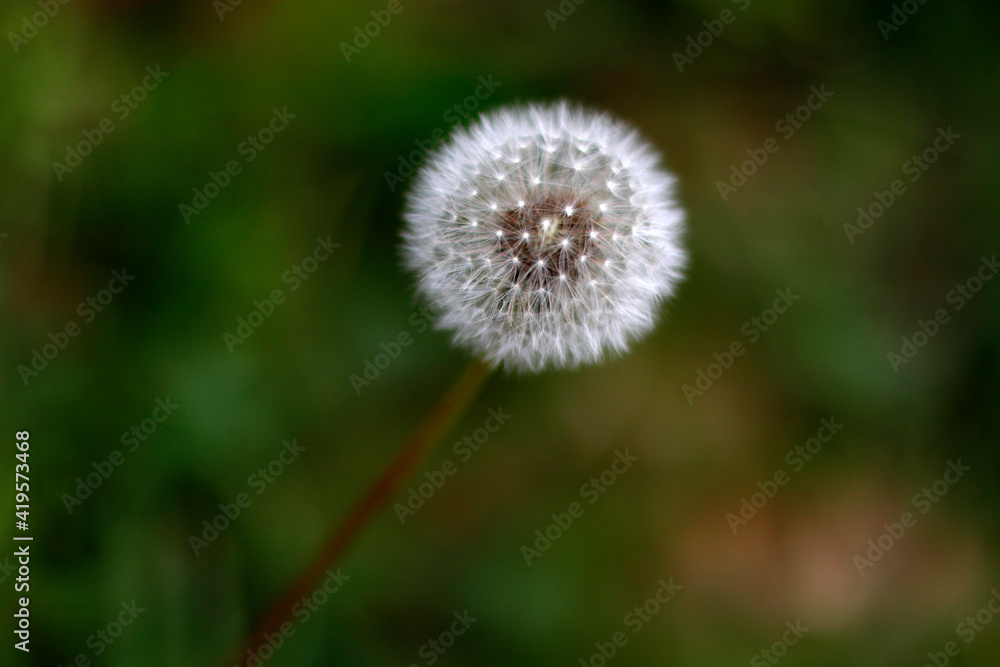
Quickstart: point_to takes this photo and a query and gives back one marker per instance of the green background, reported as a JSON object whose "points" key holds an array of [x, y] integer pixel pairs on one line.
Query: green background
{"points": [[325, 175]]}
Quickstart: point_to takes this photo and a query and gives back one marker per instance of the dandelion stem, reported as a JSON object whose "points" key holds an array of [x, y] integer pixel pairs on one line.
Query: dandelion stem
{"points": [[381, 490]]}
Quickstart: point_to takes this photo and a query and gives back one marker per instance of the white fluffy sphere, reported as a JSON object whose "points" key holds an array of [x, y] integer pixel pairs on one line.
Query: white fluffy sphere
{"points": [[544, 235]]}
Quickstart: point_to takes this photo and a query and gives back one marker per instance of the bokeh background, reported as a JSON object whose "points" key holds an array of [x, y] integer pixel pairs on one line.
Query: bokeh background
{"points": [[324, 175]]}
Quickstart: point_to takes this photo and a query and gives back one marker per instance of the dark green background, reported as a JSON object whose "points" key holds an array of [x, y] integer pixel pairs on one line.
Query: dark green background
{"points": [[325, 175]]}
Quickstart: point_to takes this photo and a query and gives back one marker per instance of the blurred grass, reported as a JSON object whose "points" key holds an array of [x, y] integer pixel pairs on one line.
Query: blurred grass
{"points": [[325, 175]]}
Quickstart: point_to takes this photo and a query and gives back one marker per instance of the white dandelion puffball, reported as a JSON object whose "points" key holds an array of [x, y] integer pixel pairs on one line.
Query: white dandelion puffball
{"points": [[544, 235]]}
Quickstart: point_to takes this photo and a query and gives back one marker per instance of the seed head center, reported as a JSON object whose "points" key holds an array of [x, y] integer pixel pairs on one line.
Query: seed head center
{"points": [[544, 240]]}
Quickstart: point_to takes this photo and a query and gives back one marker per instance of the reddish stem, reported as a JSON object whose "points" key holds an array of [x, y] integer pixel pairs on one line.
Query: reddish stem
{"points": [[379, 493]]}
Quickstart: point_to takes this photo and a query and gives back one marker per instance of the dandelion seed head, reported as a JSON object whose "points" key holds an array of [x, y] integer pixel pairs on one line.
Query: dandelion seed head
{"points": [[565, 259]]}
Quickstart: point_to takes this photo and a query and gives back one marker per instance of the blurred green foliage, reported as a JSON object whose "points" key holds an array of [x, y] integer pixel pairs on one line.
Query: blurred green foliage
{"points": [[325, 174]]}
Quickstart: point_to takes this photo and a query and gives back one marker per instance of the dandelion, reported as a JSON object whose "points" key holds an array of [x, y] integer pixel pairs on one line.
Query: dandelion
{"points": [[544, 235]]}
